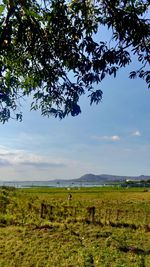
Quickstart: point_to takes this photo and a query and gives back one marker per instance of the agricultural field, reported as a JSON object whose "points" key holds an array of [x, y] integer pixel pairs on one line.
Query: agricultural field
{"points": [[96, 227]]}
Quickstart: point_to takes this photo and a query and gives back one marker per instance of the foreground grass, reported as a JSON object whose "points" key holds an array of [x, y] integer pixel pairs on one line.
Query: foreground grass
{"points": [[26, 239]]}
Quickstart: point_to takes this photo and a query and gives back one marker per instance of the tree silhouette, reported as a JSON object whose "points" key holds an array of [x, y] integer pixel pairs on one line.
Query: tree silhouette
{"points": [[43, 43]]}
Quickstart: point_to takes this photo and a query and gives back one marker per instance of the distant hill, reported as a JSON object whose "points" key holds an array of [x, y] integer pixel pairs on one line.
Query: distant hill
{"points": [[110, 178], [100, 178], [106, 178], [103, 178]]}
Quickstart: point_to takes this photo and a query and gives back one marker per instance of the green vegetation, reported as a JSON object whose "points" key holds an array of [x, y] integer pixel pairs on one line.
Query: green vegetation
{"points": [[43, 42], [98, 227]]}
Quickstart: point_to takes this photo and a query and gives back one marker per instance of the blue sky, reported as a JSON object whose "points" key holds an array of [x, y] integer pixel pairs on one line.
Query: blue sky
{"points": [[112, 137]]}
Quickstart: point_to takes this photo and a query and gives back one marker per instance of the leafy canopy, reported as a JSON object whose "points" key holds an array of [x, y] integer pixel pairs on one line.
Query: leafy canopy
{"points": [[45, 42]]}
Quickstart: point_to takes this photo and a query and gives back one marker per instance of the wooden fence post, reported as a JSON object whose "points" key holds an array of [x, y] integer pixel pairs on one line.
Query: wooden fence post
{"points": [[75, 214], [91, 214], [42, 210], [50, 212]]}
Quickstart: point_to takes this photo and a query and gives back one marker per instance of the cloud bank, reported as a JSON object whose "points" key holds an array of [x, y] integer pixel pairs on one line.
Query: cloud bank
{"points": [[18, 158]]}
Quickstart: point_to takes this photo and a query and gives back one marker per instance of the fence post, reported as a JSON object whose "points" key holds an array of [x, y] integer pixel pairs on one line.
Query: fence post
{"points": [[93, 214], [75, 214], [50, 213], [42, 210]]}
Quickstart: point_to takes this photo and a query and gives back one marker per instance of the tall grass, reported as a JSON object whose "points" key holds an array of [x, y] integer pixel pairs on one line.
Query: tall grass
{"points": [[98, 227]]}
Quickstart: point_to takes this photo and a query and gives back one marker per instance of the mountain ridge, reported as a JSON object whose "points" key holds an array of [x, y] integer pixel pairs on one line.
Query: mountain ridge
{"points": [[103, 178]]}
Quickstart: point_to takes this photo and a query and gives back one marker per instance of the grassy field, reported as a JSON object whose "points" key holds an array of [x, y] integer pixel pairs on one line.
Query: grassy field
{"points": [[98, 227]]}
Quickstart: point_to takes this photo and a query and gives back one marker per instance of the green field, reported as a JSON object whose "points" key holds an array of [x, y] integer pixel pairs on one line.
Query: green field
{"points": [[98, 227]]}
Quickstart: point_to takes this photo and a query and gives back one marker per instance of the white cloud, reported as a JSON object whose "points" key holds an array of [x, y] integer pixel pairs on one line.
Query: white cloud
{"points": [[42, 164], [15, 158], [27, 165], [113, 138], [136, 133]]}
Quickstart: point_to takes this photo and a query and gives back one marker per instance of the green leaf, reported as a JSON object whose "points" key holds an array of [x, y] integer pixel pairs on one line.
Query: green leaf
{"points": [[33, 13], [5, 2], [2, 7]]}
